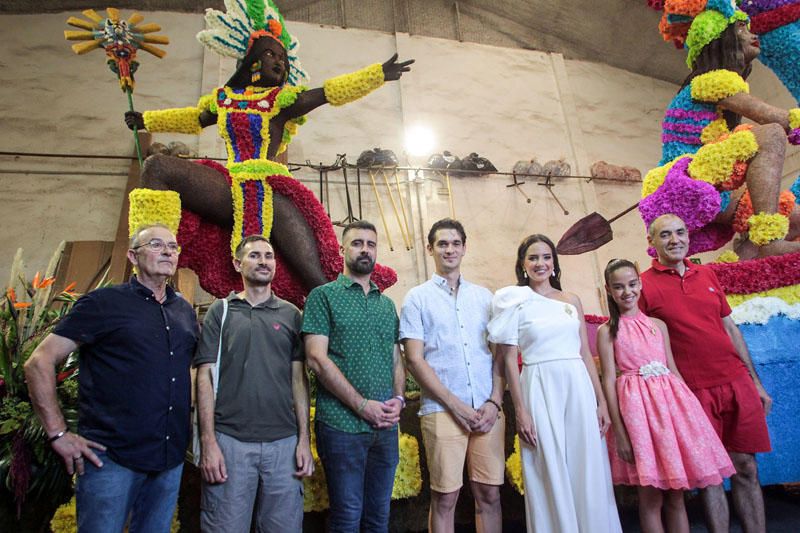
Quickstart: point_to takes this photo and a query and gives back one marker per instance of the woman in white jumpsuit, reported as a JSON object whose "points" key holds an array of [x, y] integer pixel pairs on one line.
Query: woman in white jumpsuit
{"points": [[561, 414]]}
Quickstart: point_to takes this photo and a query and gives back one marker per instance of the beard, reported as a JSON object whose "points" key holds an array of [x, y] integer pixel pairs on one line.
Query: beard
{"points": [[361, 265], [259, 280]]}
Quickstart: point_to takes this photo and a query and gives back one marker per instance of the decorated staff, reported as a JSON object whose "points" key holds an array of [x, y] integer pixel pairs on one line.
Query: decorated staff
{"points": [[120, 39]]}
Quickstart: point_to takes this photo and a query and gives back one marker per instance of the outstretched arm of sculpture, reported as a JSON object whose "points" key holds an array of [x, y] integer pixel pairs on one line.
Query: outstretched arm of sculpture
{"points": [[348, 87], [756, 110], [192, 120]]}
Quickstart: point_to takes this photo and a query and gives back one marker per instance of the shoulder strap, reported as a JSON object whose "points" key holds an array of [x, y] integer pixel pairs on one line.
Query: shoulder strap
{"points": [[215, 373]]}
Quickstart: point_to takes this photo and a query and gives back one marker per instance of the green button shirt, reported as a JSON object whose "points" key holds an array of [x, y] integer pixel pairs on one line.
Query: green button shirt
{"points": [[362, 331]]}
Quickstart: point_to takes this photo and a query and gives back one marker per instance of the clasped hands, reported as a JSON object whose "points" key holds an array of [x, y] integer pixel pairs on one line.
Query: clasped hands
{"points": [[479, 420], [382, 415]]}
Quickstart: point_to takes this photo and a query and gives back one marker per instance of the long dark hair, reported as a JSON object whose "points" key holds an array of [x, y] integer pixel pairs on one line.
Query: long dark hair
{"points": [[724, 52], [519, 268], [613, 310]]}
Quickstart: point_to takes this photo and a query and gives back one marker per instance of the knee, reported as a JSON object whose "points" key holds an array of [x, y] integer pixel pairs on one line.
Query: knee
{"points": [[444, 502], [746, 468], [770, 136], [154, 172], [487, 497]]}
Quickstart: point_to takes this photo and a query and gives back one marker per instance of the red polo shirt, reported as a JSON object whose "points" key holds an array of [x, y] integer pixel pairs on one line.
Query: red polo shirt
{"points": [[693, 307]]}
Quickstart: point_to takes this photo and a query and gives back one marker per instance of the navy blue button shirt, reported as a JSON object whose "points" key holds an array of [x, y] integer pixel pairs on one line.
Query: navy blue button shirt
{"points": [[134, 384]]}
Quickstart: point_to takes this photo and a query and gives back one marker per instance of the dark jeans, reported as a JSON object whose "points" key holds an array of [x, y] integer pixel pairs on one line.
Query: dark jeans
{"points": [[359, 469]]}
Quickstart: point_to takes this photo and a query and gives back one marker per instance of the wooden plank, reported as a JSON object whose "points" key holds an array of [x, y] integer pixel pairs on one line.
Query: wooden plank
{"points": [[120, 269], [84, 263], [185, 282]]}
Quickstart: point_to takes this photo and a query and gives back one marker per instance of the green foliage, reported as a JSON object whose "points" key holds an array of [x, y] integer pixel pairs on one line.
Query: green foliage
{"points": [[29, 311]]}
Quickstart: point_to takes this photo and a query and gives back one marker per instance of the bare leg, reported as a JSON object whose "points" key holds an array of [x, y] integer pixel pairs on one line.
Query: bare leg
{"points": [[295, 241], [764, 180], [650, 501], [488, 514], [441, 517], [715, 506], [205, 191], [748, 501], [794, 224], [675, 512]]}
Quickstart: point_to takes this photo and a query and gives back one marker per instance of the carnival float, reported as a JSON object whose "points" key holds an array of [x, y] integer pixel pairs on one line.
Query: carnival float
{"points": [[714, 172]]}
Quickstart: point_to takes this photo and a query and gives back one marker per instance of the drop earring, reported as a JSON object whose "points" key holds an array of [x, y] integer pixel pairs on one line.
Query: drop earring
{"points": [[553, 273], [255, 72], [525, 274]]}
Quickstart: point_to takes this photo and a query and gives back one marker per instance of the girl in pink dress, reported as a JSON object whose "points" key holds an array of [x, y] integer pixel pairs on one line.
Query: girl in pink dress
{"points": [[662, 441]]}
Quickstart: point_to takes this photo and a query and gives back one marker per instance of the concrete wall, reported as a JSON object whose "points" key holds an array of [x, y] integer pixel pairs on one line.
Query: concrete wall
{"points": [[506, 104]]}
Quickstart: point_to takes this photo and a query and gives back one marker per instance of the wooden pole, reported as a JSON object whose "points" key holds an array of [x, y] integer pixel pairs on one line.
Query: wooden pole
{"points": [[120, 268]]}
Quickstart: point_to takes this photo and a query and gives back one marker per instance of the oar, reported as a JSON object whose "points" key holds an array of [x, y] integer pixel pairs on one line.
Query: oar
{"points": [[589, 233]]}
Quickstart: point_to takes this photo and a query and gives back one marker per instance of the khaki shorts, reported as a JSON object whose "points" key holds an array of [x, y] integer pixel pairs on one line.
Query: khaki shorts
{"points": [[447, 445]]}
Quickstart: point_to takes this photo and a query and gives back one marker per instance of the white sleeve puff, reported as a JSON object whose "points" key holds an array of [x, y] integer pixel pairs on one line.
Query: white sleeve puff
{"points": [[506, 304]]}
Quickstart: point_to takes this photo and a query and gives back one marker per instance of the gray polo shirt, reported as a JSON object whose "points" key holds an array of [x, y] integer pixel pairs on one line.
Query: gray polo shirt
{"points": [[452, 327], [254, 397]]}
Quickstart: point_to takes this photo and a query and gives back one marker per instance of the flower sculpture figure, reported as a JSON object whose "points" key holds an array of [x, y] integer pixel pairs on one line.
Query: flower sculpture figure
{"points": [[718, 175], [257, 112]]}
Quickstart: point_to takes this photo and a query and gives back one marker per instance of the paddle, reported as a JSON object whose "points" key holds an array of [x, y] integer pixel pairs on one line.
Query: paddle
{"points": [[589, 233]]}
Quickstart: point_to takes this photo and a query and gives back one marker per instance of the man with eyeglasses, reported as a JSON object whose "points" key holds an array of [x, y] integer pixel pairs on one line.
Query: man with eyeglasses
{"points": [[135, 344]]}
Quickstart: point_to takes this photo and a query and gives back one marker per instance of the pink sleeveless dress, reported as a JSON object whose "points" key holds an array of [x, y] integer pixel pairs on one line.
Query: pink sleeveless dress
{"points": [[673, 443]]}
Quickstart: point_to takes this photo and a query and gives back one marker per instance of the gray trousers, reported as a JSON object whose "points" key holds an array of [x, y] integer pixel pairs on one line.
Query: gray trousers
{"points": [[260, 475]]}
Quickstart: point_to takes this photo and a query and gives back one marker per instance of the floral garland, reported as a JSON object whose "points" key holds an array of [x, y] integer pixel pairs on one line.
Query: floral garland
{"points": [[715, 163], [655, 177], [148, 206], [714, 131], [180, 120], [728, 256], [408, 476], [789, 294], [744, 210], [794, 116], [767, 227], [514, 468], [758, 275], [350, 87], [718, 84], [759, 310], [696, 202]]}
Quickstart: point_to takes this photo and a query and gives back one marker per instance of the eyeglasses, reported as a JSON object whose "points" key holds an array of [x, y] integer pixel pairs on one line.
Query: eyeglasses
{"points": [[157, 245]]}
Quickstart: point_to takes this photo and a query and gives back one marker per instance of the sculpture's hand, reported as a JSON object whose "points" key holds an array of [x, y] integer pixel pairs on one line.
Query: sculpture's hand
{"points": [[392, 70], [134, 119]]}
